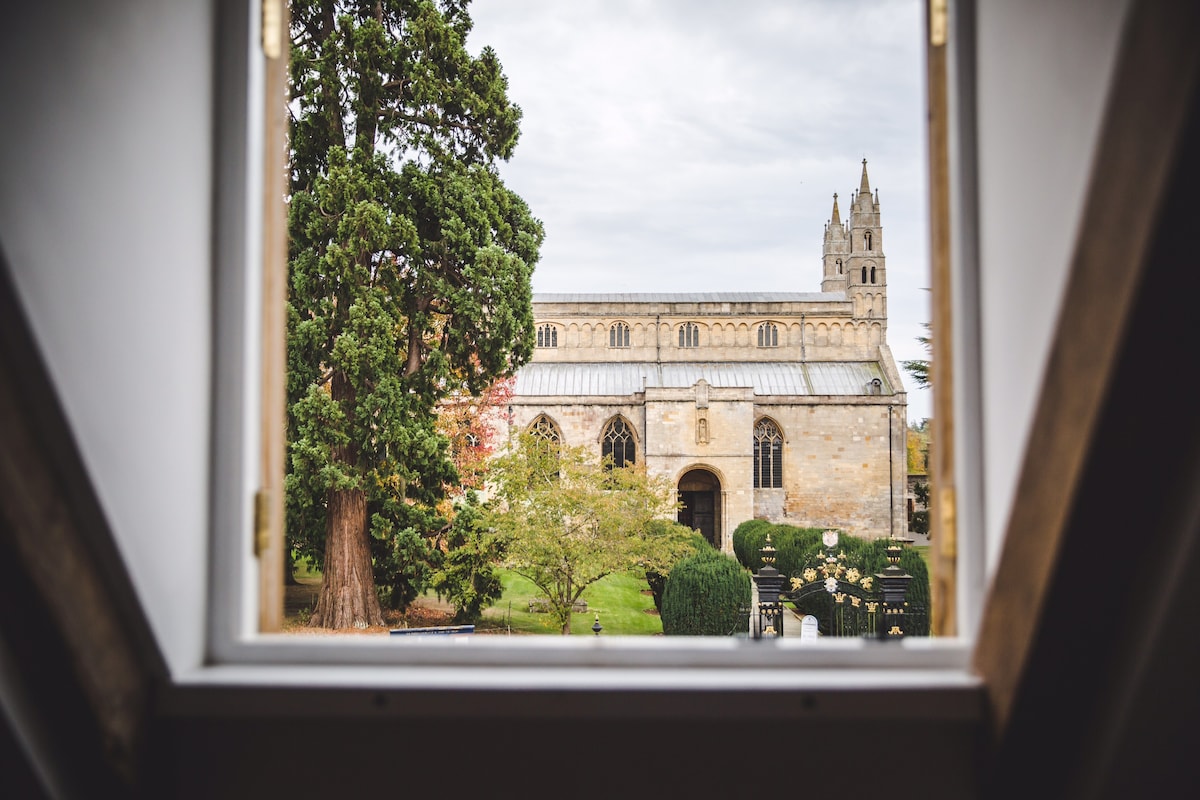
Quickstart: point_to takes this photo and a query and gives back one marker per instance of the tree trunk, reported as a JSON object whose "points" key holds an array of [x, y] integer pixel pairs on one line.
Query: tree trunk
{"points": [[348, 598]]}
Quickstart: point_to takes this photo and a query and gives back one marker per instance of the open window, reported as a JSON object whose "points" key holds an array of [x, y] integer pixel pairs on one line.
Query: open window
{"points": [[248, 566]]}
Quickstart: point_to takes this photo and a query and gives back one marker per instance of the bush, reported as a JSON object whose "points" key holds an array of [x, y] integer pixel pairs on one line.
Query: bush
{"points": [[792, 545], [704, 596], [657, 579], [796, 548], [747, 538], [869, 556]]}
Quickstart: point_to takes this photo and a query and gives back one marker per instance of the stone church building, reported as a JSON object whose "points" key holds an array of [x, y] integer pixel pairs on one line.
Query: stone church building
{"points": [[786, 406]]}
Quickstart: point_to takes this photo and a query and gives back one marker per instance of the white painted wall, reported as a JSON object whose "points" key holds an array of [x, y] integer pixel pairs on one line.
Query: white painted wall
{"points": [[1043, 76], [106, 219]]}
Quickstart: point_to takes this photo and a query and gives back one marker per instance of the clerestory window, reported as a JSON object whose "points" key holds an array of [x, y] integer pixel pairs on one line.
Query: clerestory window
{"points": [[618, 335], [689, 335], [768, 335], [547, 336]]}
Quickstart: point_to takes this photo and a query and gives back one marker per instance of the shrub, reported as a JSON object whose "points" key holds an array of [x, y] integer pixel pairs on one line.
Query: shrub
{"points": [[704, 596], [657, 579], [792, 545], [747, 538], [869, 557]]}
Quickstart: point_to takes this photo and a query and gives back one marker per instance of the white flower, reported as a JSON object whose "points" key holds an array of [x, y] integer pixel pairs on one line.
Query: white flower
{"points": [[831, 585]]}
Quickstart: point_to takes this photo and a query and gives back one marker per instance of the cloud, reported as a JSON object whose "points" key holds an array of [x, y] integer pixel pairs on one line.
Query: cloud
{"points": [[696, 144]]}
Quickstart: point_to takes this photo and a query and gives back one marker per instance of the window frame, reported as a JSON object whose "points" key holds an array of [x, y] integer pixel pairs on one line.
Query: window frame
{"points": [[239, 650], [628, 437], [619, 336], [774, 455], [768, 335], [689, 335]]}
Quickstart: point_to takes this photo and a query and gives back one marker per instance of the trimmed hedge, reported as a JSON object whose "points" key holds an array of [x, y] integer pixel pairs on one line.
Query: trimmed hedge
{"points": [[792, 545], [655, 579], [704, 596]]}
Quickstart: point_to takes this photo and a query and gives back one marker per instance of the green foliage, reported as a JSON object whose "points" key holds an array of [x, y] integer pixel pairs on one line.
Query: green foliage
{"points": [[403, 561], [409, 266], [919, 368], [867, 557], [704, 595], [747, 538], [792, 545], [468, 576], [657, 579], [568, 520]]}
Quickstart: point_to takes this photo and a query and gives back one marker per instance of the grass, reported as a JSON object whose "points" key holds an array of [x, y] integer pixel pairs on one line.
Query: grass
{"points": [[305, 570], [618, 599], [923, 550]]}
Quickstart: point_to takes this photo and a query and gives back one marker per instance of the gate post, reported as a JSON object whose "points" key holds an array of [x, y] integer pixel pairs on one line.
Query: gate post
{"points": [[893, 585], [769, 583]]}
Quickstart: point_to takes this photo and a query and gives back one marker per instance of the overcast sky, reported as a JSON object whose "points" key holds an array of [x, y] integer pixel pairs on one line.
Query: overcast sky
{"points": [[695, 145]]}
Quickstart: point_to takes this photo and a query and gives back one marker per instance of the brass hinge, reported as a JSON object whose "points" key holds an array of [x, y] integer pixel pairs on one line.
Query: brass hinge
{"points": [[937, 22], [262, 522], [272, 28]]}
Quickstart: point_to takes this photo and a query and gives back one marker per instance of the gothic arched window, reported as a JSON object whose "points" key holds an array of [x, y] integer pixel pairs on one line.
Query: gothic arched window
{"points": [[768, 335], [618, 335], [545, 429], [839, 263], [864, 277], [867, 239], [689, 335], [549, 441], [768, 455], [547, 336], [872, 274], [618, 443]]}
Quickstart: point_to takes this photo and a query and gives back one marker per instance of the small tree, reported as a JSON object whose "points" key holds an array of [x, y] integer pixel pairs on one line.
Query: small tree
{"points": [[468, 576], [568, 520]]}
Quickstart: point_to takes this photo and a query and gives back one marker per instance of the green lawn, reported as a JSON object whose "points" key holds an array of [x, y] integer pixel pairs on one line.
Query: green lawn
{"points": [[618, 599], [923, 549]]}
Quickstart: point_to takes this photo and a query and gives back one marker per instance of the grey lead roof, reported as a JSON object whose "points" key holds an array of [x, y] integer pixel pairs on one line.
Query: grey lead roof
{"points": [[690, 297], [544, 378]]}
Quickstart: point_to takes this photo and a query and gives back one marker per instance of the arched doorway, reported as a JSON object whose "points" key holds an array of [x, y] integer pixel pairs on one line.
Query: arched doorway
{"points": [[700, 497]]}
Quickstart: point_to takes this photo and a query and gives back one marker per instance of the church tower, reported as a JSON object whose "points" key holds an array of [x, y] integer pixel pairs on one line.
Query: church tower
{"points": [[835, 252], [866, 273]]}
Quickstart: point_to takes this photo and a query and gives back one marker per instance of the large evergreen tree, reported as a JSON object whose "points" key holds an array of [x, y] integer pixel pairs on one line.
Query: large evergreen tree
{"points": [[410, 266]]}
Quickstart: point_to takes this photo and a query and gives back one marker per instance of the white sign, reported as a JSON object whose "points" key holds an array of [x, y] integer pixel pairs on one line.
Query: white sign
{"points": [[808, 628]]}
